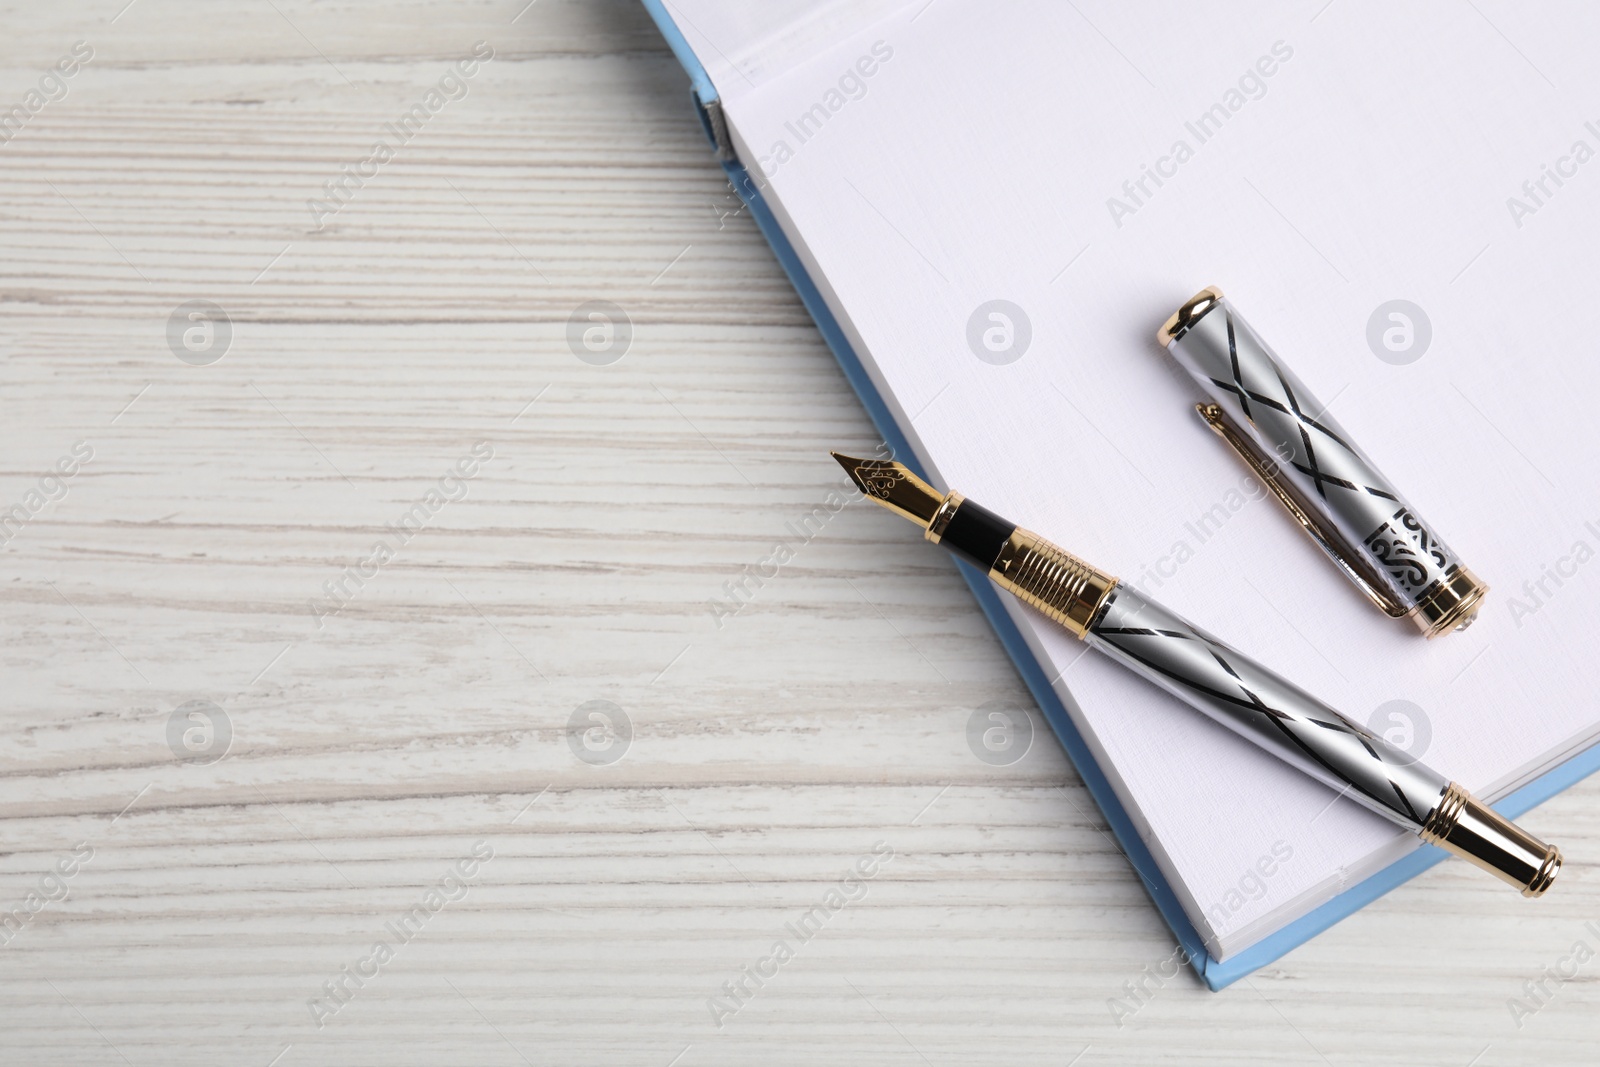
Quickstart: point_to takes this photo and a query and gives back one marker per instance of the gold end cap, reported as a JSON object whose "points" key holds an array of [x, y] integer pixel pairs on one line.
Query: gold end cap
{"points": [[1469, 828], [894, 486], [1186, 316], [1450, 604]]}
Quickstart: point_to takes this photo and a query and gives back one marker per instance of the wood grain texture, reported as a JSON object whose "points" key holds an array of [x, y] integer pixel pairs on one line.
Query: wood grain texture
{"points": [[371, 752]]}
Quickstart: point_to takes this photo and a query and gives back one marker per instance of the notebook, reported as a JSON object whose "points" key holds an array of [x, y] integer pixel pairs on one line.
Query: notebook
{"points": [[989, 209]]}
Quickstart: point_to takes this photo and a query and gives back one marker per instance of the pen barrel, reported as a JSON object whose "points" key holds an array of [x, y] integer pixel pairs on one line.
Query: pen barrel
{"points": [[1284, 719], [1391, 547], [1265, 708]]}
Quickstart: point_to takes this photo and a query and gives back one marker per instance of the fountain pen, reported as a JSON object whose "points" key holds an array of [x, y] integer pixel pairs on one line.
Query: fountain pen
{"points": [[1214, 678]]}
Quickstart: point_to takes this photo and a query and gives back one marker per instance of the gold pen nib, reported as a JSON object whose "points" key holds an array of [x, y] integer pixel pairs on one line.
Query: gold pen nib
{"points": [[892, 485]]}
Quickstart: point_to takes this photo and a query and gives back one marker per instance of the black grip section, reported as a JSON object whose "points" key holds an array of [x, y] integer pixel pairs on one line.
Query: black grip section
{"points": [[976, 533]]}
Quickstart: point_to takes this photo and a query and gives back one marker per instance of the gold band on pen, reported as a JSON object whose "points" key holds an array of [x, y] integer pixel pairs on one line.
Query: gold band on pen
{"points": [[1052, 580]]}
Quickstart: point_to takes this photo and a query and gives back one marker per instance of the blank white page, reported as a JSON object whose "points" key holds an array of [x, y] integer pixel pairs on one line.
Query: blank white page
{"points": [[1003, 152]]}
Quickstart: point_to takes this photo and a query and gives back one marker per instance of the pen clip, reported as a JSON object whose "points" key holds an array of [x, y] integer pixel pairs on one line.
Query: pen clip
{"points": [[1329, 540]]}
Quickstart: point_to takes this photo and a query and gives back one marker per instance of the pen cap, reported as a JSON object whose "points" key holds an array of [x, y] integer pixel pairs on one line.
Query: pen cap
{"points": [[1317, 471]]}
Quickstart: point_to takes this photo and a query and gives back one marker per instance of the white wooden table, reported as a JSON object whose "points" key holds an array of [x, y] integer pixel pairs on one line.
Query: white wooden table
{"points": [[229, 907]]}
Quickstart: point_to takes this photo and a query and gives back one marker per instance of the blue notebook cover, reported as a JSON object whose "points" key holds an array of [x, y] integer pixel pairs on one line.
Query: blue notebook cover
{"points": [[1215, 973]]}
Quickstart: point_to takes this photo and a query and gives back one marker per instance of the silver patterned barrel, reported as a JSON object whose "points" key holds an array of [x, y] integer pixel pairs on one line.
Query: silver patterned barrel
{"points": [[1264, 707]]}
